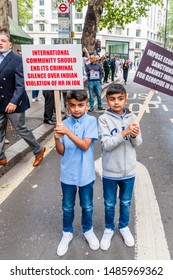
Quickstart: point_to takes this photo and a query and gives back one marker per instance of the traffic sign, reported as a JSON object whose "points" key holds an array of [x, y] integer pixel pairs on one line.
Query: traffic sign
{"points": [[63, 7], [70, 1]]}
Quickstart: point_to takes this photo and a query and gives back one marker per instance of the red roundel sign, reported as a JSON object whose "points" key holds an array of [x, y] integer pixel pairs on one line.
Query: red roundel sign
{"points": [[63, 7]]}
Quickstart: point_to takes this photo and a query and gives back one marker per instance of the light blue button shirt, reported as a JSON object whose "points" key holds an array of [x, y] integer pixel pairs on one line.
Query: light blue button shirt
{"points": [[77, 166], [3, 55]]}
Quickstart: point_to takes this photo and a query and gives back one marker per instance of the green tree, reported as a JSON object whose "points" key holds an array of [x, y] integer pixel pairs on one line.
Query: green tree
{"points": [[4, 11], [107, 13], [24, 14]]}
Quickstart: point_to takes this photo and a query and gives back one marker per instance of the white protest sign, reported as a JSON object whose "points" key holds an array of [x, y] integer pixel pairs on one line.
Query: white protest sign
{"points": [[52, 67]]}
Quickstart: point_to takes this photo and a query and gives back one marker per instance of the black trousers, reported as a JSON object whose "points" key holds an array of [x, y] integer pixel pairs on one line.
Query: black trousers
{"points": [[125, 75], [112, 74], [106, 70], [49, 105]]}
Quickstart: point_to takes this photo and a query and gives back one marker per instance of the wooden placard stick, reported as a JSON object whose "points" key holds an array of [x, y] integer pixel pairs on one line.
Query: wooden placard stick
{"points": [[57, 106], [144, 106]]}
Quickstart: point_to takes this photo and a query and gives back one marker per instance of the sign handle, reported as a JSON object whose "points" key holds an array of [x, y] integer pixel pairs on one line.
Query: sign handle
{"points": [[57, 105], [144, 106]]}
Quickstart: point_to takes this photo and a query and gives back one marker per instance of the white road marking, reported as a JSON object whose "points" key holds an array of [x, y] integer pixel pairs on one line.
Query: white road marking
{"points": [[151, 242], [22, 173], [171, 120], [165, 108], [159, 98]]}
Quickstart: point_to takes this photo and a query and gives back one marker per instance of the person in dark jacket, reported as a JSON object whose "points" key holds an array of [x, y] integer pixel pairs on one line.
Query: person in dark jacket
{"points": [[14, 100], [125, 71], [106, 69]]}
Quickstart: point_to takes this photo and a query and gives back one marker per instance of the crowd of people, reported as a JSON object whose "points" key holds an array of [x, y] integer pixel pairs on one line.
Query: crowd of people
{"points": [[116, 129]]}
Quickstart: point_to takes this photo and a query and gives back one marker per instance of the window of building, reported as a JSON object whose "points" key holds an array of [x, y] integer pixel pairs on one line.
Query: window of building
{"points": [[55, 41], [127, 31], [76, 41], [117, 49], [137, 55], [78, 27], [41, 2], [54, 28], [41, 27], [138, 32], [118, 30], [137, 45], [29, 27], [148, 34], [42, 41], [41, 12], [54, 14], [78, 15], [138, 21]]}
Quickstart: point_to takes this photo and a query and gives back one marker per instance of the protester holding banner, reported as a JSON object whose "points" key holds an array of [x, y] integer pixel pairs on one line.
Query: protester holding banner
{"points": [[74, 139], [14, 100], [119, 138]]}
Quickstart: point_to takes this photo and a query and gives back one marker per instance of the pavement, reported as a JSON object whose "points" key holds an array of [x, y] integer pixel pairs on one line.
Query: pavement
{"points": [[18, 148]]}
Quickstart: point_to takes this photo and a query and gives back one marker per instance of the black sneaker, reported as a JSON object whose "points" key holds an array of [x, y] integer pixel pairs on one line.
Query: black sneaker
{"points": [[91, 110], [101, 109]]}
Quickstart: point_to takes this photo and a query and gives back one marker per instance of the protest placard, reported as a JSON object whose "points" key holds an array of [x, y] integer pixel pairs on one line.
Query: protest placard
{"points": [[53, 67], [57, 67], [155, 71]]}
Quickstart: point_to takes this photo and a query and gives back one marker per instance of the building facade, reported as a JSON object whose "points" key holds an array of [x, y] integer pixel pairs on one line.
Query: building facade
{"points": [[54, 22]]}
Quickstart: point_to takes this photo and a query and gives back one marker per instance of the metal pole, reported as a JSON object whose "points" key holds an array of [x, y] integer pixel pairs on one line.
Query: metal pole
{"points": [[71, 22], [166, 16]]}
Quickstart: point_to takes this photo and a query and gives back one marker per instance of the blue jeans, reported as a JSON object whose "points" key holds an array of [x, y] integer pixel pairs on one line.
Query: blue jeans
{"points": [[35, 93], [68, 203], [95, 87], [110, 198]]}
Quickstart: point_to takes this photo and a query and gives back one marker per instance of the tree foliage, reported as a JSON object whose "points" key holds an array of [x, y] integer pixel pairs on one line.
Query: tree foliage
{"points": [[119, 12], [24, 14], [108, 13]]}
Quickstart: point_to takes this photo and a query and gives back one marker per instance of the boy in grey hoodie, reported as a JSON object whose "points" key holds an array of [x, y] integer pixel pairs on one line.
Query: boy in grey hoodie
{"points": [[119, 136]]}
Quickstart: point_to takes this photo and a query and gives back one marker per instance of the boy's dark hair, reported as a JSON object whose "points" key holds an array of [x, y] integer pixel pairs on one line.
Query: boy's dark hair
{"points": [[79, 95], [115, 88]]}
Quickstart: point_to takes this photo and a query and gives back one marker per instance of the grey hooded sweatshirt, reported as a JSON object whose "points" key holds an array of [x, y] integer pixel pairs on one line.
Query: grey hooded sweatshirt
{"points": [[118, 153]]}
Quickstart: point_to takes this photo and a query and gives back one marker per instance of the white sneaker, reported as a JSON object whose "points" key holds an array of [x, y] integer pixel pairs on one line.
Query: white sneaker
{"points": [[106, 239], [92, 239], [63, 245], [127, 236], [33, 100]]}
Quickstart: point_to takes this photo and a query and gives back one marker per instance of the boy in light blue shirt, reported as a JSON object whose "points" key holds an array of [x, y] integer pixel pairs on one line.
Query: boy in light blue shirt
{"points": [[74, 139]]}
